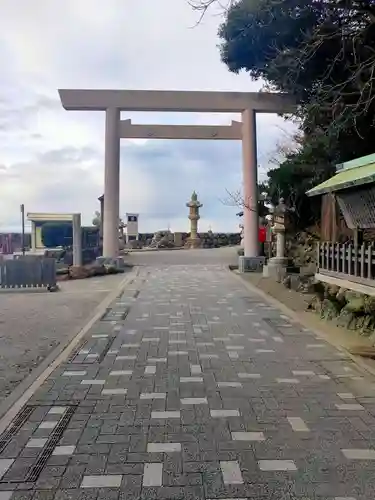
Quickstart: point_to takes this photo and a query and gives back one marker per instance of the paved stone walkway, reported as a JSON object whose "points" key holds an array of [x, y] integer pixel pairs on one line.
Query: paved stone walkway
{"points": [[192, 388]]}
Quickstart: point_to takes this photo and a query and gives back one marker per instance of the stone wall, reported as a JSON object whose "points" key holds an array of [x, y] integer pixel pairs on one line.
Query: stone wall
{"points": [[209, 239], [346, 308]]}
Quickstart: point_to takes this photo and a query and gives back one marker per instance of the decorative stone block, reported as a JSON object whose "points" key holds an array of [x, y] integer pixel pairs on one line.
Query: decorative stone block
{"points": [[250, 264]]}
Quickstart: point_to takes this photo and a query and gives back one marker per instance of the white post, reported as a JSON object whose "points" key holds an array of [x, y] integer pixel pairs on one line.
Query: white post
{"points": [[111, 184], [33, 236], [250, 185], [77, 240]]}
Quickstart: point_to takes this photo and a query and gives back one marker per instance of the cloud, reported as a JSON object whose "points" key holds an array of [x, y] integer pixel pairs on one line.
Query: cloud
{"points": [[52, 160]]}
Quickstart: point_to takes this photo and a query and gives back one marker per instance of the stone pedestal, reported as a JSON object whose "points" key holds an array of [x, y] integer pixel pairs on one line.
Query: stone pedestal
{"points": [[193, 242], [276, 267], [250, 264]]}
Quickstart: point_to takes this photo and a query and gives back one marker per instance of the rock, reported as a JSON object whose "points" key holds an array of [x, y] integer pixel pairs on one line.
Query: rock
{"points": [[302, 283], [369, 307], [319, 289], [329, 309], [97, 270], [287, 281], [112, 269], [162, 239], [356, 305], [340, 296], [345, 319], [62, 271], [63, 277], [350, 295], [315, 304], [134, 244], [79, 272], [331, 291]]}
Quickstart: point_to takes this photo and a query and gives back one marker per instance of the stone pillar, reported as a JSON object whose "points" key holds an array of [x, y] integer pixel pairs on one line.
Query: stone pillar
{"points": [[250, 260], [77, 240], [111, 184], [194, 229], [33, 236], [280, 244]]}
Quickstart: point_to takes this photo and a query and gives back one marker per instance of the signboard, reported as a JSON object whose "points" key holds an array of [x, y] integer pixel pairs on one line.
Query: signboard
{"points": [[279, 219], [132, 225]]}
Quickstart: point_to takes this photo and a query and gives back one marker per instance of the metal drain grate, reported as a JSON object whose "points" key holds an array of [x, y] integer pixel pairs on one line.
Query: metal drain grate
{"points": [[14, 427], [109, 315], [55, 437]]}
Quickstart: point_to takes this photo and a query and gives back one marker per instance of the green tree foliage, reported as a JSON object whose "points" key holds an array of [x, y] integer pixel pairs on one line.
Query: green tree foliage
{"points": [[323, 53]]}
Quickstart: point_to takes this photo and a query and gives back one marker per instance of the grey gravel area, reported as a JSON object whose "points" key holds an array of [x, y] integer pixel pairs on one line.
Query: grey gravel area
{"points": [[33, 323]]}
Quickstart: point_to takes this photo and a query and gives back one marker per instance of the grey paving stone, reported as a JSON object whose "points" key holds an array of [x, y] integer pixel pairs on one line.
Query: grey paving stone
{"points": [[231, 472], [5, 495], [165, 414], [277, 465], [224, 413], [359, 454], [101, 481], [153, 474], [64, 450], [36, 443], [163, 447]]}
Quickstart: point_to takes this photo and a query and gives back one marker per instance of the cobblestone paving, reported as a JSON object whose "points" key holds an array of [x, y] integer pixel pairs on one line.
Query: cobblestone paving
{"points": [[190, 387]]}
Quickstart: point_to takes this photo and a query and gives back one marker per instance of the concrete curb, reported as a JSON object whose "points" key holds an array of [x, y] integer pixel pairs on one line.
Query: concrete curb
{"points": [[359, 361], [24, 391]]}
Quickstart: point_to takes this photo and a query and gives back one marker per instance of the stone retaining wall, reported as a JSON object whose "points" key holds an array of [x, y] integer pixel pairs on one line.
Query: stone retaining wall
{"points": [[348, 309]]}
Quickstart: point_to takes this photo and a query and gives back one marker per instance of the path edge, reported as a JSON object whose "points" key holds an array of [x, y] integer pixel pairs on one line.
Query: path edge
{"points": [[296, 317], [25, 390]]}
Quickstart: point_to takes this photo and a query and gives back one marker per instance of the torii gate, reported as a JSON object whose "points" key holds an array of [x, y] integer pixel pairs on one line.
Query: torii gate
{"points": [[115, 101]]}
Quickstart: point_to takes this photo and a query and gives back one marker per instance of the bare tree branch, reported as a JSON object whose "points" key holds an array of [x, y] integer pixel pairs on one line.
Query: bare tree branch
{"points": [[289, 144], [236, 199], [202, 6]]}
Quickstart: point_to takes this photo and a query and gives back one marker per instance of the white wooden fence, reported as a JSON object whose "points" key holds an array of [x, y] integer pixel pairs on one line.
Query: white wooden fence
{"points": [[347, 261]]}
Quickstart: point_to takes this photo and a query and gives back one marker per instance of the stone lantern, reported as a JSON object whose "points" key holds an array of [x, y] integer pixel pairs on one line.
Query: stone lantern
{"points": [[276, 266], [194, 205]]}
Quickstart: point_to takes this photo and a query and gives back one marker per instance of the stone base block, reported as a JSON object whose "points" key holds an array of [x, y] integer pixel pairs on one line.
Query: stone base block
{"points": [[250, 264], [117, 262], [274, 272], [193, 243]]}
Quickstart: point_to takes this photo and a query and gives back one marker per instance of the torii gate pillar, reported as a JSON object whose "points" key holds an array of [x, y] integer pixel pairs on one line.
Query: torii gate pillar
{"points": [[250, 185], [111, 215]]}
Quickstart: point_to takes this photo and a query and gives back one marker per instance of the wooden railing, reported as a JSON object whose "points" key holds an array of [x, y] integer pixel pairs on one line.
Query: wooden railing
{"points": [[347, 261]]}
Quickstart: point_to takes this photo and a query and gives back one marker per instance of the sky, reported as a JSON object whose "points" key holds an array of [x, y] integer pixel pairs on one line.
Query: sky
{"points": [[52, 160]]}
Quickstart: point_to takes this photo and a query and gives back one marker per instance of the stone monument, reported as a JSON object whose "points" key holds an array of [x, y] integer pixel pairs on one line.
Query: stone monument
{"points": [[194, 205]]}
